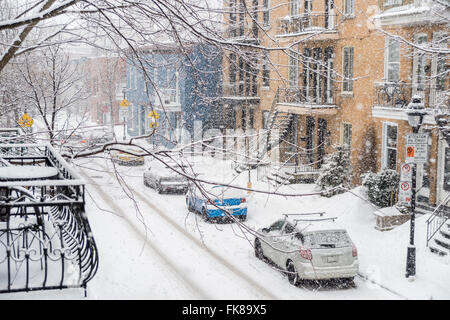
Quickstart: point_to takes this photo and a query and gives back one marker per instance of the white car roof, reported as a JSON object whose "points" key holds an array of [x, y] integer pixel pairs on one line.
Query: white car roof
{"points": [[226, 191], [315, 224]]}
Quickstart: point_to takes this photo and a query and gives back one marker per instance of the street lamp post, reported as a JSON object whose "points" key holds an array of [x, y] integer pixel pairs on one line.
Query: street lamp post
{"points": [[415, 112]]}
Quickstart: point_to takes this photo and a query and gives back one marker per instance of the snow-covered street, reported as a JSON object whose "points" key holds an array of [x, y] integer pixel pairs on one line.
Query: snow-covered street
{"points": [[151, 247]]}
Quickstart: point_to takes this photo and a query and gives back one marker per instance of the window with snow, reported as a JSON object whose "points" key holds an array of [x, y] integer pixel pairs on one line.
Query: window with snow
{"points": [[392, 63], [349, 8], [347, 71], [293, 69], [347, 135], [389, 152]]}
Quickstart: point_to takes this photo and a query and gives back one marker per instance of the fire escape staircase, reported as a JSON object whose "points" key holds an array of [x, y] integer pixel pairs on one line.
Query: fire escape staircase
{"points": [[277, 130], [438, 229]]}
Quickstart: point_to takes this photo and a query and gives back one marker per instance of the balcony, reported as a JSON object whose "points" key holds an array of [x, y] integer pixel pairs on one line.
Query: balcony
{"points": [[324, 25], [307, 100], [391, 98], [417, 13], [240, 91], [242, 33]]}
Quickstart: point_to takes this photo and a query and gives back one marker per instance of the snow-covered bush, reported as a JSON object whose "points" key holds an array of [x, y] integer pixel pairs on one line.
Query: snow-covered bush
{"points": [[336, 172], [381, 187]]}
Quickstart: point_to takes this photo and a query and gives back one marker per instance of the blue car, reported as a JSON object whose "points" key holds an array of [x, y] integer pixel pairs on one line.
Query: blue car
{"points": [[215, 201]]}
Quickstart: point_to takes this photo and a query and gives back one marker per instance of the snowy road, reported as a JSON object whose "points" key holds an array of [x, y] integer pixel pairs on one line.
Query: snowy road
{"points": [[178, 255]]}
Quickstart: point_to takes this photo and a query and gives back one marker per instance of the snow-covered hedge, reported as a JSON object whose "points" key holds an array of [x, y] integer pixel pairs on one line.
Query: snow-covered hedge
{"points": [[381, 187], [335, 172]]}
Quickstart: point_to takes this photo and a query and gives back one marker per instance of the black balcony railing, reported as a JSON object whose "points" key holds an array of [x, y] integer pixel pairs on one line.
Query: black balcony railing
{"points": [[45, 238], [398, 95], [307, 96], [307, 23]]}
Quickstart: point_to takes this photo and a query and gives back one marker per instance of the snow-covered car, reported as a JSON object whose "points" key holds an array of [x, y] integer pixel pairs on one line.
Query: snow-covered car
{"points": [[127, 159], [163, 179], [315, 250], [215, 201], [87, 138]]}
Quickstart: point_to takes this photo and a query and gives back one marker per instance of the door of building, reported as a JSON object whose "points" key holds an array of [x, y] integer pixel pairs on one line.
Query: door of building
{"points": [[443, 174]]}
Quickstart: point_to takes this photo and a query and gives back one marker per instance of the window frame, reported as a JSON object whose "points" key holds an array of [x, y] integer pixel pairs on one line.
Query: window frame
{"points": [[385, 147], [349, 8], [347, 83], [387, 61], [345, 139]]}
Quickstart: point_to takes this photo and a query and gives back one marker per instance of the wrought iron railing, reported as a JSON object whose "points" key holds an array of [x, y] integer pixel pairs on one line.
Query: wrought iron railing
{"points": [[308, 96], [45, 238], [437, 219], [313, 22], [398, 94]]}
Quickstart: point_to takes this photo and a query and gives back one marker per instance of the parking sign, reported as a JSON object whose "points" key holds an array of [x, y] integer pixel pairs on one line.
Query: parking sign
{"points": [[416, 148], [404, 193]]}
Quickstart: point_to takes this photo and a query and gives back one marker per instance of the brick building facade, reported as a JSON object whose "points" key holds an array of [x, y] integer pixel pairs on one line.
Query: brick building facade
{"points": [[106, 78], [341, 72]]}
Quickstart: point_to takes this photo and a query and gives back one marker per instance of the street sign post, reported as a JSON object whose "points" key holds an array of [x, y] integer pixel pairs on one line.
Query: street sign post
{"points": [[405, 193], [124, 104], [416, 148]]}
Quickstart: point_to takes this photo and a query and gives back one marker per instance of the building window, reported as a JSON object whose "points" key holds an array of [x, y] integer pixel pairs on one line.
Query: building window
{"points": [[389, 152], [308, 6], [392, 66], [232, 67], [347, 135], [266, 13], [293, 7], [392, 2], [265, 119], [251, 118], [419, 64], [266, 71], [349, 9], [447, 169], [347, 71], [244, 118], [293, 69]]}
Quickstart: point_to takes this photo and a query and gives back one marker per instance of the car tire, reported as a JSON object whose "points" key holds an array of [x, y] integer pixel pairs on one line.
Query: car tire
{"points": [[159, 188], [292, 273], [243, 218], [258, 249]]}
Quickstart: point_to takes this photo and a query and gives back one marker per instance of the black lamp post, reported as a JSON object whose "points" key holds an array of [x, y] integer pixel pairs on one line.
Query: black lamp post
{"points": [[415, 112]]}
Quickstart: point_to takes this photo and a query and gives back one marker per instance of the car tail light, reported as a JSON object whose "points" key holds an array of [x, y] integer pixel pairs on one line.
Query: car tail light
{"points": [[243, 200], [354, 252], [306, 254], [83, 141]]}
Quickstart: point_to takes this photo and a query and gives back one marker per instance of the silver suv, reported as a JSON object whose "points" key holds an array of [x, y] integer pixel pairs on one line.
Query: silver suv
{"points": [[316, 249]]}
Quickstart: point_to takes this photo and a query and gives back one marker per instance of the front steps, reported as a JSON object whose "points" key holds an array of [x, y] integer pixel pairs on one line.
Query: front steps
{"points": [[440, 243]]}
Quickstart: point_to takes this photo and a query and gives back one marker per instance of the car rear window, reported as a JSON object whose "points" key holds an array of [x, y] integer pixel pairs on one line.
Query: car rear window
{"points": [[327, 239]]}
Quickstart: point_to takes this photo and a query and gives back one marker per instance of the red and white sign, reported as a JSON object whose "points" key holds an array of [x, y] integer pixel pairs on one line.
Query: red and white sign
{"points": [[406, 172], [404, 193]]}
